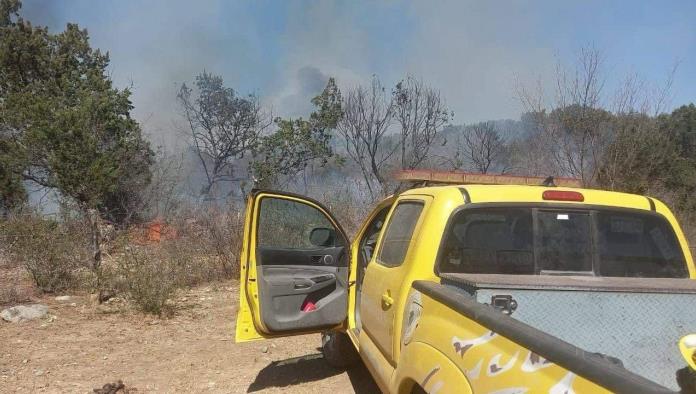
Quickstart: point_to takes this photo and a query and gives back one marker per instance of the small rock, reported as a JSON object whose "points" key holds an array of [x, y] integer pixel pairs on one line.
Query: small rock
{"points": [[105, 295], [273, 345], [112, 388], [114, 300], [264, 349], [39, 372], [73, 304], [25, 361], [21, 313], [64, 298]]}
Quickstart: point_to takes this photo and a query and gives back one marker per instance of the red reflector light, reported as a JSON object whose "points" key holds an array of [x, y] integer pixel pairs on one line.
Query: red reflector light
{"points": [[562, 195]]}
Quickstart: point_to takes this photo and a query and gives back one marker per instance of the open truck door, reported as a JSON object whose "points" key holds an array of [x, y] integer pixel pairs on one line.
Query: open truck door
{"points": [[294, 268]]}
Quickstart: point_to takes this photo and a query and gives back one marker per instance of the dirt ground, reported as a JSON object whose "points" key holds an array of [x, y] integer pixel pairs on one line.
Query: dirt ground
{"points": [[82, 346]]}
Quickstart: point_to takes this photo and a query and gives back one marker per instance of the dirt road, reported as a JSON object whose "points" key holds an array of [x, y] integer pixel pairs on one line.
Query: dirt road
{"points": [[87, 345]]}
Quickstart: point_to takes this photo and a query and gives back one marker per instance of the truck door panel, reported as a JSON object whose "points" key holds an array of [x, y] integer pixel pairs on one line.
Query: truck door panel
{"points": [[382, 299], [296, 278], [294, 268]]}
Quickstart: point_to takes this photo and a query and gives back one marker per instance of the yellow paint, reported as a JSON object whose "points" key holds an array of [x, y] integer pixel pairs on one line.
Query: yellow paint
{"points": [[429, 368], [397, 366], [687, 347], [383, 286], [440, 325], [355, 253], [249, 324], [245, 330], [380, 369]]}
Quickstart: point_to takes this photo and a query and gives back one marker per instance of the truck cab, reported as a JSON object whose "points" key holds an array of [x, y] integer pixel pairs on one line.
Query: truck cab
{"points": [[384, 296]]}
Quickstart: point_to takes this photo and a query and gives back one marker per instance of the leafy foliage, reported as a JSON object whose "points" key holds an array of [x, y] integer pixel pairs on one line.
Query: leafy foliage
{"points": [[12, 192], [62, 124], [649, 154], [299, 142], [223, 126]]}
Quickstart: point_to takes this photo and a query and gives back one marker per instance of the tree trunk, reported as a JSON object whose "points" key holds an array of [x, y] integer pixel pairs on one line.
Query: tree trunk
{"points": [[95, 234]]}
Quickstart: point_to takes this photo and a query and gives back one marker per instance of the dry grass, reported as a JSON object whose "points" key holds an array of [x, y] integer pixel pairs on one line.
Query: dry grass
{"points": [[57, 255], [52, 251], [148, 278]]}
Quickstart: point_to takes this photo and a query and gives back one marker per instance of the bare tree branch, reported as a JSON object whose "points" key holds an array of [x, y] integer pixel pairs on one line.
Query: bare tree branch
{"points": [[223, 126], [483, 148], [421, 113], [367, 115]]}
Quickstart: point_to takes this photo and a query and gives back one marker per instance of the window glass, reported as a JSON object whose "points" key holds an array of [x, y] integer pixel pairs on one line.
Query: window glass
{"points": [[565, 242], [399, 232], [288, 224], [509, 241], [369, 240], [639, 246], [490, 241]]}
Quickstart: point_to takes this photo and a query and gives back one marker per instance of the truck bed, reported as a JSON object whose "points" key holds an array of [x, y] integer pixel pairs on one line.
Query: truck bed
{"points": [[633, 320]]}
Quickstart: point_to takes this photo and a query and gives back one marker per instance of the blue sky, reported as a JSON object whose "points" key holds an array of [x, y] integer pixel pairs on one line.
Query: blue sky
{"points": [[284, 50]]}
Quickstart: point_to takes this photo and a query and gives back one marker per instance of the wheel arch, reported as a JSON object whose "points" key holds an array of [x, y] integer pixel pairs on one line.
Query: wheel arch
{"points": [[425, 366]]}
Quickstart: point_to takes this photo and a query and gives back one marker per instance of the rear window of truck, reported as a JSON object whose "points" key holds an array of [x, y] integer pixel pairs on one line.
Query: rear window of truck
{"points": [[540, 240]]}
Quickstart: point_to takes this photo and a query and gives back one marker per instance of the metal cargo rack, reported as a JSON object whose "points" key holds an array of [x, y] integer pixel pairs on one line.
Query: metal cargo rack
{"points": [[430, 178]]}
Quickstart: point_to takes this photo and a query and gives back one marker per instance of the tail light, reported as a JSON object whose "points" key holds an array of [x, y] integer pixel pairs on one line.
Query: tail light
{"points": [[563, 195]]}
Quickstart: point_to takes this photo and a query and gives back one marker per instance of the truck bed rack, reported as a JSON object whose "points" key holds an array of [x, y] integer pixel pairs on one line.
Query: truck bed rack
{"points": [[430, 177]]}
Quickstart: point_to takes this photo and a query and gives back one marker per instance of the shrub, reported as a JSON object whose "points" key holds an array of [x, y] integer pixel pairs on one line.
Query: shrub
{"points": [[51, 251], [224, 233], [148, 278], [207, 243], [10, 295]]}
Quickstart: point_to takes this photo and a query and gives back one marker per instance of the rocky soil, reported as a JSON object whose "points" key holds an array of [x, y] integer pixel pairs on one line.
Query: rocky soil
{"points": [[79, 346]]}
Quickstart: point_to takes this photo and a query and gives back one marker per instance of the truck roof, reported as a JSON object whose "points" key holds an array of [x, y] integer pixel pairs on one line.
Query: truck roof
{"points": [[533, 194]]}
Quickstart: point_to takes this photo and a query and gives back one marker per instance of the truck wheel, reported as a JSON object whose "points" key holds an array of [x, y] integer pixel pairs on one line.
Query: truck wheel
{"points": [[338, 350]]}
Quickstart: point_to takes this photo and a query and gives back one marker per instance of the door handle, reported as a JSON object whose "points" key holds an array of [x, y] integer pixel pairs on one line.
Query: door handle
{"points": [[322, 278], [313, 283], [387, 300]]}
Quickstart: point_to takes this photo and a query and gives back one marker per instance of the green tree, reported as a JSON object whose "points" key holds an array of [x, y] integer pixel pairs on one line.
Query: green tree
{"points": [[12, 193], [653, 155], [638, 156], [297, 143], [63, 125], [680, 127]]}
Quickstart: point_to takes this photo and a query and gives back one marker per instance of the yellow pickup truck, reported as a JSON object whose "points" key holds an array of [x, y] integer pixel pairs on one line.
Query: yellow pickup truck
{"points": [[480, 288]]}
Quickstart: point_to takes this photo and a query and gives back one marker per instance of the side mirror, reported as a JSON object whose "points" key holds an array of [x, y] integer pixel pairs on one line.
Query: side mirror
{"points": [[687, 347], [322, 237]]}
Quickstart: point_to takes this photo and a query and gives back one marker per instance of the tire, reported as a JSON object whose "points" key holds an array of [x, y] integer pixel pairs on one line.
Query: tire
{"points": [[338, 349]]}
